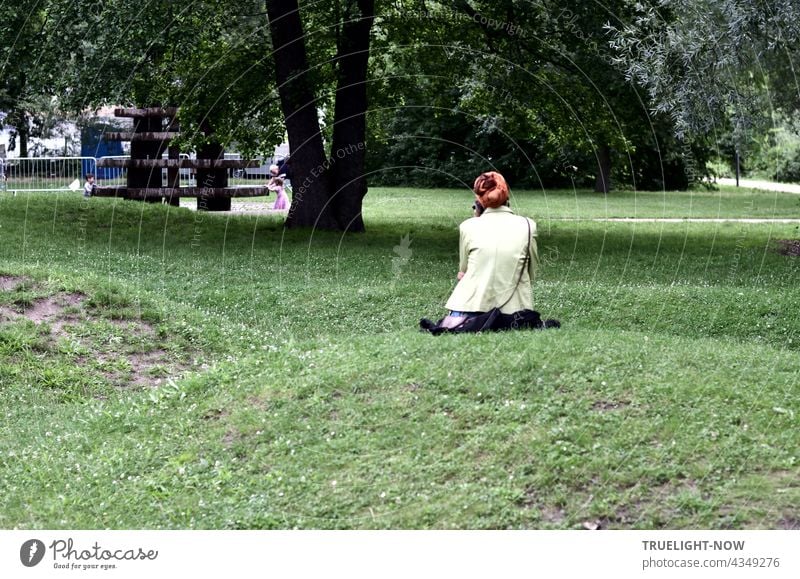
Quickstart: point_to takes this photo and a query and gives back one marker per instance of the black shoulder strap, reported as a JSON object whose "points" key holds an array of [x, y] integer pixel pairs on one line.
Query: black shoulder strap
{"points": [[524, 264]]}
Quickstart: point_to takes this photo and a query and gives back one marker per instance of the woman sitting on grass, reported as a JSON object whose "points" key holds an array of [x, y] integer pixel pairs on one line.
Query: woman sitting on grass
{"points": [[498, 257]]}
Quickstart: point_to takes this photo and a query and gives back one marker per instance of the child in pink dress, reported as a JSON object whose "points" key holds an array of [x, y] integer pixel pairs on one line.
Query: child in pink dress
{"points": [[282, 200]]}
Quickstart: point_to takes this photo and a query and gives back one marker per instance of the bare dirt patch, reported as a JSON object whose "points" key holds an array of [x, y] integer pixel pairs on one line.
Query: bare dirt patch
{"points": [[50, 308], [138, 328], [622, 518], [554, 515], [130, 354], [608, 405], [12, 282], [789, 523], [789, 247], [7, 314], [230, 437], [43, 310], [548, 513], [139, 369], [215, 414], [142, 364], [58, 327]]}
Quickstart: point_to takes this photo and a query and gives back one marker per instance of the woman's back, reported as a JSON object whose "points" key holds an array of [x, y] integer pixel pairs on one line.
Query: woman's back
{"points": [[498, 255]]}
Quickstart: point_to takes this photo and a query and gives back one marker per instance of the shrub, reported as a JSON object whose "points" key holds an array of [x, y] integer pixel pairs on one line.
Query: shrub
{"points": [[778, 156]]}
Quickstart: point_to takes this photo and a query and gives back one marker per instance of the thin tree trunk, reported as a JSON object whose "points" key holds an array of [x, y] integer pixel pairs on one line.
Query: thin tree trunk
{"points": [[146, 177], [22, 133], [348, 150], [212, 179], [311, 203], [603, 182]]}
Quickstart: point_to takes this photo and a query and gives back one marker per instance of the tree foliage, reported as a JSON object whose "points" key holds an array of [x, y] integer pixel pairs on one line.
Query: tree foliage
{"points": [[27, 96], [229, 66], [709, 62], [212, 58], [548, 93], [528, 87]]}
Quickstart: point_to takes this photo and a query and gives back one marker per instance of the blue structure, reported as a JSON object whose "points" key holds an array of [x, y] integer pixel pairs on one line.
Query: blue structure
{"points": [[94, 144]]}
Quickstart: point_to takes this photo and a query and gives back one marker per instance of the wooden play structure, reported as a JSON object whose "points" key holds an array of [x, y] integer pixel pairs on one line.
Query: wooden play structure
{"points": [[154, 129]]}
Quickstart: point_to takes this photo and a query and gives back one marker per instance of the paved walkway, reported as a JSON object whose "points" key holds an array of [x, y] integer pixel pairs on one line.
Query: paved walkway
{"points": [[765, 185], [682, 219], [241, 208]]}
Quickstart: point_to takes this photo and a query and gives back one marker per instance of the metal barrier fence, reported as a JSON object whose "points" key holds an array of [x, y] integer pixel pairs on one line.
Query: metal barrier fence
{"points": [[45, 173], [30, 174]]}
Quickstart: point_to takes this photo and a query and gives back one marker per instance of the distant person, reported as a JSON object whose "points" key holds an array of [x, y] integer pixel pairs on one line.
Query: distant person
{"points": [[282, 200], [285, 168], [89, 187], [497, 261], [274, 173]]}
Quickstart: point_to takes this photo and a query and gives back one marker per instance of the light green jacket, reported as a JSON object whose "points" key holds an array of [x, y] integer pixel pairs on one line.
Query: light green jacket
{"points": [[492, 252]]}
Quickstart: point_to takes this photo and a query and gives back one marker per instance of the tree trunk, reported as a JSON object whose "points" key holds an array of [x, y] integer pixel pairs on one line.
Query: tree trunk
{"points": [[311, 203], [603, 182], [348, 150], [22, 133], [174, 176], [212, 179], [142, 176]]}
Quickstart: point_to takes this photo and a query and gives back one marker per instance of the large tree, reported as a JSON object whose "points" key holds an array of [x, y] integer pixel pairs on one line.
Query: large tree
{"points": [[240, 72], [328, 190]]}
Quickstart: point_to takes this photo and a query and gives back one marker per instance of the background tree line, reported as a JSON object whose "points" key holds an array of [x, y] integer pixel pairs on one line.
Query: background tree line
{"points": [[416, 92]]}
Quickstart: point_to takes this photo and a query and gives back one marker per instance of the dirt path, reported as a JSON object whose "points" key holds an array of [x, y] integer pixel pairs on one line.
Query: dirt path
{"points": [[681, 220], [765, 185], [241, 208]]}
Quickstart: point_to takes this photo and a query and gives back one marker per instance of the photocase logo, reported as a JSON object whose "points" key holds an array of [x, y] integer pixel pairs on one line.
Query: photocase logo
{"points": [[404, 253], [31, 552]]}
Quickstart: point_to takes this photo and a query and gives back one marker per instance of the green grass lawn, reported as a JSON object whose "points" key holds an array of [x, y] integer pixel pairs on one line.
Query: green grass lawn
{"points": [[446, 206], [161, 368], [724, 202]]}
